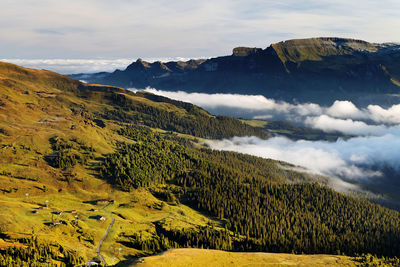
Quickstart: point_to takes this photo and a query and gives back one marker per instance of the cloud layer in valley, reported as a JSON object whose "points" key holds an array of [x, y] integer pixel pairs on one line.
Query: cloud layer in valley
{"points": [[341, 116], [351, 159]]}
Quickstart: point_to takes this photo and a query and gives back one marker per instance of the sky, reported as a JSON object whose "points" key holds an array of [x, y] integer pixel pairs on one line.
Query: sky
{"points": [[102, 30]]}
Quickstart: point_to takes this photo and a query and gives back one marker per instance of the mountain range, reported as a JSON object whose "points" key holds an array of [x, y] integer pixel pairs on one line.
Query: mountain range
{"points": [[317, 70]]}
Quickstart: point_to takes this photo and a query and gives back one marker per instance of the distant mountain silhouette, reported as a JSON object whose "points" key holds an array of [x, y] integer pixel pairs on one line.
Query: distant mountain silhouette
{"points": [[317, 69]]}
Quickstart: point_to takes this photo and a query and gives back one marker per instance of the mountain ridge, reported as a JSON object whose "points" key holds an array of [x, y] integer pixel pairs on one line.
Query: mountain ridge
{"points": [[308, 70]]}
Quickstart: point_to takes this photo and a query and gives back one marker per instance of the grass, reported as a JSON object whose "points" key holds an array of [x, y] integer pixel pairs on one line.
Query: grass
{"points": [[202, 257], [315, 49], [133, 212], [256, 123], [35, 107]]}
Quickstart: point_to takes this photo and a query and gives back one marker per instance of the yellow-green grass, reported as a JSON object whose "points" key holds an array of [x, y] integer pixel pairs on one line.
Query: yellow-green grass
{"points": [[33, 109], [298, 50], [204, 257], [26, 172], [136, 214], [256, 123]]}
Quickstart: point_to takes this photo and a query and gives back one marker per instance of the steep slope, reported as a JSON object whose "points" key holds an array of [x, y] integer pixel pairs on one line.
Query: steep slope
{"points": [[318, 69], [71, 154], [54, 134]]}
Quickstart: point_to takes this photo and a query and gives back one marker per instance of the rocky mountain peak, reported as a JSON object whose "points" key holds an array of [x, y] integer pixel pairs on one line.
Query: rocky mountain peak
{"points": [[242, 51]]}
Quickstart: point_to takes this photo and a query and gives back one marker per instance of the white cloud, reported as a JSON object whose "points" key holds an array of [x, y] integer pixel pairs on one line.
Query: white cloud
{"points": [[250, 102], [379, 114], [281, 148], [344, 109], [346, 126]]}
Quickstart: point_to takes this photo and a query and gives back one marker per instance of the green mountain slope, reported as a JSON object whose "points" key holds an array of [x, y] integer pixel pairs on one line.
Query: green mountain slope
{"points": [[74, 157], [316, 49]]}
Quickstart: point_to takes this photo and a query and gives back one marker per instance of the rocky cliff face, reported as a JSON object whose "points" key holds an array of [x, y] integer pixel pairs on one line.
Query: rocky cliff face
{"points": [[317, 69]]}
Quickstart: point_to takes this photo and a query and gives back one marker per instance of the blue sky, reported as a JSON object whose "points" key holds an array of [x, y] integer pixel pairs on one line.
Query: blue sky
{"points": [[128, 29]]}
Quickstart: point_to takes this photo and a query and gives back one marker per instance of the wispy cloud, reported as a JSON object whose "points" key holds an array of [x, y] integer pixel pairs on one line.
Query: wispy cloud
{"points": [[48, 31], [346, 126], [138, 28]]}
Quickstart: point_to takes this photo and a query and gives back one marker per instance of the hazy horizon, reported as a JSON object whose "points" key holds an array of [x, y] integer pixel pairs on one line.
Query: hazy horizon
{"points": [[158, 29], [75, 66]]}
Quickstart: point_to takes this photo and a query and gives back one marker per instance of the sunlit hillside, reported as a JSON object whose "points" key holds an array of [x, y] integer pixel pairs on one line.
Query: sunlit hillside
{"points": [[98, 173]]}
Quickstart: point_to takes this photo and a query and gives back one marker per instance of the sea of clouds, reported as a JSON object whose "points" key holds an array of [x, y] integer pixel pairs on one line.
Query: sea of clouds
{"points": [[350, 159], [359, 159], [341, 116]]}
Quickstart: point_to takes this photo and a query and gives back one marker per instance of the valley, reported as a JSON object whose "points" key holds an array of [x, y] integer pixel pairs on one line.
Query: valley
{"points": [[77, 159]]}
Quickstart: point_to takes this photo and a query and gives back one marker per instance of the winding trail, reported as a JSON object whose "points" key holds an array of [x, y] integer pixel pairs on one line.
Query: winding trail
{"points": [[104, 237]]}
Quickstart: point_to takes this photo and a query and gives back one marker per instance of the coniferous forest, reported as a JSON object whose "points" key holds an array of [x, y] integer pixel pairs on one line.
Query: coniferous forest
{"points": [[264, 208], [193, 120]]}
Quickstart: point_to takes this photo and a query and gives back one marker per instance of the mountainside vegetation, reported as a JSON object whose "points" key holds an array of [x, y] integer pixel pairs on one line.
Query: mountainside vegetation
{"points": [[188, 119], [76, 158], [256, 200]]}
